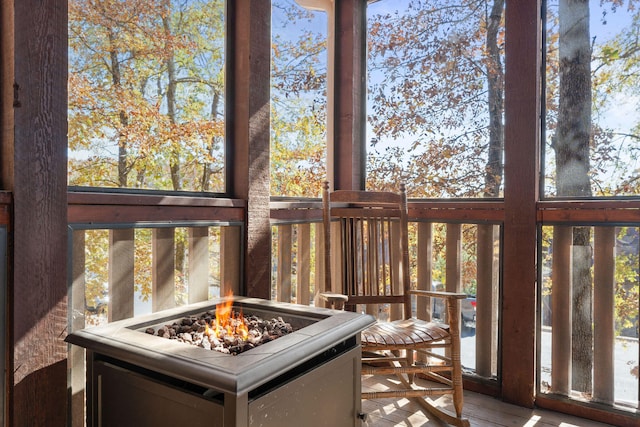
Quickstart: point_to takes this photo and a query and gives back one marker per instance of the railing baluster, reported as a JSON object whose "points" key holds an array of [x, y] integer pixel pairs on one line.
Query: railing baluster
{"points": [[230, 259], [395, 253], [121, 269], [486, 299], [603, 304], [454, 257], [283, 283], [320, 258], [425, 269], [561, 309], [163, 268], [303, 281], [198, 264]]}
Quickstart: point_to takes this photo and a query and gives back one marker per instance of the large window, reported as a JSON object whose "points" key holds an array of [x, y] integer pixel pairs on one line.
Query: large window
{"points": [[298, 99], [592, 99], [146, 94], [435, 97]]}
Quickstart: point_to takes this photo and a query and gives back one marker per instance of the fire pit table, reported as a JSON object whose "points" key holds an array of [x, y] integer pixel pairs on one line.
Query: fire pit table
{"points": [[309, 377]]}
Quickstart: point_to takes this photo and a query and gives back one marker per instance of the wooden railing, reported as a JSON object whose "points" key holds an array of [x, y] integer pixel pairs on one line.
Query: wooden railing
{"points": [[449, 240], [142, 251], [594, 341], [471, 233], [455, 243], [180, 234]]}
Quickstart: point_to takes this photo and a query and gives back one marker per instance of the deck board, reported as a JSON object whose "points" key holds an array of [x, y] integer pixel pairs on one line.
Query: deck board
{"points": [[481, 410]]}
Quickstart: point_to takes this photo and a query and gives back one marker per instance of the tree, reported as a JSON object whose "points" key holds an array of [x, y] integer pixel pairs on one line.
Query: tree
{"points": [[146, 83], [572, 142], [436, 88]]}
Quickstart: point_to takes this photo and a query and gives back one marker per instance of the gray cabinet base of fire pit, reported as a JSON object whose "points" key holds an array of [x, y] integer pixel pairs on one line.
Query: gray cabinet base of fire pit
{"points": [[124, 395]]}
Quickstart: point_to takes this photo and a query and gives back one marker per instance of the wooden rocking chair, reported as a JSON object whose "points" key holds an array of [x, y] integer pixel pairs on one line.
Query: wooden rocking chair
{"points": [[366, 240]]}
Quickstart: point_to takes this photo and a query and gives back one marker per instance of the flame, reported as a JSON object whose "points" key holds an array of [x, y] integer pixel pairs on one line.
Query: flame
{"points": [[228, 323]]}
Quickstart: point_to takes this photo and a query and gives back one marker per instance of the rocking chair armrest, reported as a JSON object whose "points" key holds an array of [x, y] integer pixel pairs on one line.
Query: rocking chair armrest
{"points": [[335, 300], [439, 294]]}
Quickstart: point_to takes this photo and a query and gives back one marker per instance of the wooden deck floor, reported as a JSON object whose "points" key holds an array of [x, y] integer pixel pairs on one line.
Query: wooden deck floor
{"points": [[481, 410]]}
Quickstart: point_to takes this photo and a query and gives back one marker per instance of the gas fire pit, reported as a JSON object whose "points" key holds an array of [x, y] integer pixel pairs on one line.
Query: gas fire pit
{"points": [[308, 377]]}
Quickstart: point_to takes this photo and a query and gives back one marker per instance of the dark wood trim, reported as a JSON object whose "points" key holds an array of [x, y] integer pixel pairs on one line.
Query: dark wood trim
{"points": [[522, 171]]}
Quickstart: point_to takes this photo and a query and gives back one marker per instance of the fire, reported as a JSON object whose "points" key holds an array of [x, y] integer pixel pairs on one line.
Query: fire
{"points": [[227, 322]]}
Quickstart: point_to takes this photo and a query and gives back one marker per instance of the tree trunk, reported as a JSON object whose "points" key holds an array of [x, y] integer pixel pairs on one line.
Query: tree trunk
{"points": [[495, 78], [206, 168], [123, 170], [572, 171], [174, 162]]}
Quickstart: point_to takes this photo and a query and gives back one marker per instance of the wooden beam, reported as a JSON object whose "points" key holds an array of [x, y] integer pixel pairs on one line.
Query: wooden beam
{"points": [[248, 132], [522, 171], [347, 156], [34, 167]]}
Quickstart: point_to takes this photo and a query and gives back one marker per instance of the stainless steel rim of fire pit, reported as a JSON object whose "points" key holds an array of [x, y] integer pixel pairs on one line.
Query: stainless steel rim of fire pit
{"points": [[125, 340]]}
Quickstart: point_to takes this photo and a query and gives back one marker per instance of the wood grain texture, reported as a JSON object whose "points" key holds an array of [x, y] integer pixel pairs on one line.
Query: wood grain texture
{"points": [[39, 291], [350, 92], [522, 153], [248, 127]]}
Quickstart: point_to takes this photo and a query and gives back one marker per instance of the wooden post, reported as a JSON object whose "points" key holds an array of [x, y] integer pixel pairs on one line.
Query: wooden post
{"points": [[248, 133], [346, 158], [521, 193], [34, 168]]}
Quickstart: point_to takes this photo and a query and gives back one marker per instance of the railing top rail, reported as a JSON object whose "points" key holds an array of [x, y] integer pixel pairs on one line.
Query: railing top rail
{"points": [[104, 208], [90, 198]]}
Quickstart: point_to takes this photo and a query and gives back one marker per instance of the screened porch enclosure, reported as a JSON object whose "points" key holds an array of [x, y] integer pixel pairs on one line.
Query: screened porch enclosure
{"points": [[187, 184]]}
